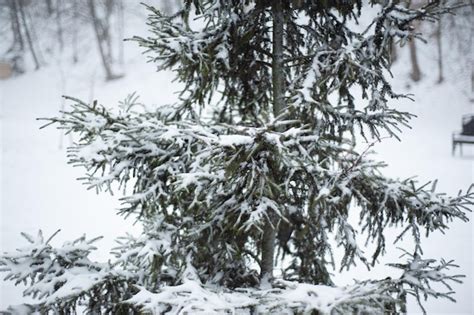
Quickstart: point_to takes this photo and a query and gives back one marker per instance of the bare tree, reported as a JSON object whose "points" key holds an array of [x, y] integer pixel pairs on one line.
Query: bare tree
{"points": [[27, 26], [415, 66], [393, 52], [49, 7], [75, 30], [439, 42], [59, 26], [471, 45], [458, 33], [21, 10], [101, 30], [17, 49], [15, 26], [120, 30]]}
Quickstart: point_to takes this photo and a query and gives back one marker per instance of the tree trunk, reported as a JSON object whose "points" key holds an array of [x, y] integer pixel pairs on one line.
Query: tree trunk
{"points": [[16, 51], [109, 7], [28, 34], [18, 43], [471, 47], [75, 20], [100, 41], [49, 7], [120, 31], [59, 26], [278, 72], [278, 81], [393, 51], [440, 52], [415, 68]]}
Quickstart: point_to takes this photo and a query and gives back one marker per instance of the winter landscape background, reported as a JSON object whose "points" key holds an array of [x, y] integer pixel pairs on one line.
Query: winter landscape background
{"points": [[39, 189]]}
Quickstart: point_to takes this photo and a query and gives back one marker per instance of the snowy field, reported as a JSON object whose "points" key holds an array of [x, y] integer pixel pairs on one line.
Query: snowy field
{"points": [[40, 191]]}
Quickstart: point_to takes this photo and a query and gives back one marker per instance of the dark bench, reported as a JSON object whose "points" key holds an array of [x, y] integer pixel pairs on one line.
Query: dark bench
{"points": [[467, 134]]}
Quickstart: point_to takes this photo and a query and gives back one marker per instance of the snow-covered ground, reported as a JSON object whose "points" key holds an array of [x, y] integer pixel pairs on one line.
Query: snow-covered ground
{"points": [[40, 191]]}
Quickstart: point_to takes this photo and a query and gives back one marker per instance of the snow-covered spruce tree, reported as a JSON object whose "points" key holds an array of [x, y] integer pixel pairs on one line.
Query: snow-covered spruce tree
{"points": [[245, 185]]}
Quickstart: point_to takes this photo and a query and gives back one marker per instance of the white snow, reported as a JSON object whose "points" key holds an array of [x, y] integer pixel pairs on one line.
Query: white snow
{"points": [[39, 190], [234, 140]]}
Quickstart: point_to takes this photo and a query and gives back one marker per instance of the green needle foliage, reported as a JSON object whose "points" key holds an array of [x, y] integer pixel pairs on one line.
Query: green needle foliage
{"points": [[245, 186]]}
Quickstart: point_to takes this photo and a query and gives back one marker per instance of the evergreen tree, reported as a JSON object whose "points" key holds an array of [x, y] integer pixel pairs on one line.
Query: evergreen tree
{"points": [[246, 184]]}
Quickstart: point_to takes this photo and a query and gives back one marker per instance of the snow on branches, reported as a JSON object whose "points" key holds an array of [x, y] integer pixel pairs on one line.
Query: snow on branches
{"points": [[203, 179], [64, 278], [224, 198]]}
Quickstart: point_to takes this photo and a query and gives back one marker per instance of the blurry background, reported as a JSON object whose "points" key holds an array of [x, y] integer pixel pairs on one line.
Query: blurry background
{"points": [[50, 48]]}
